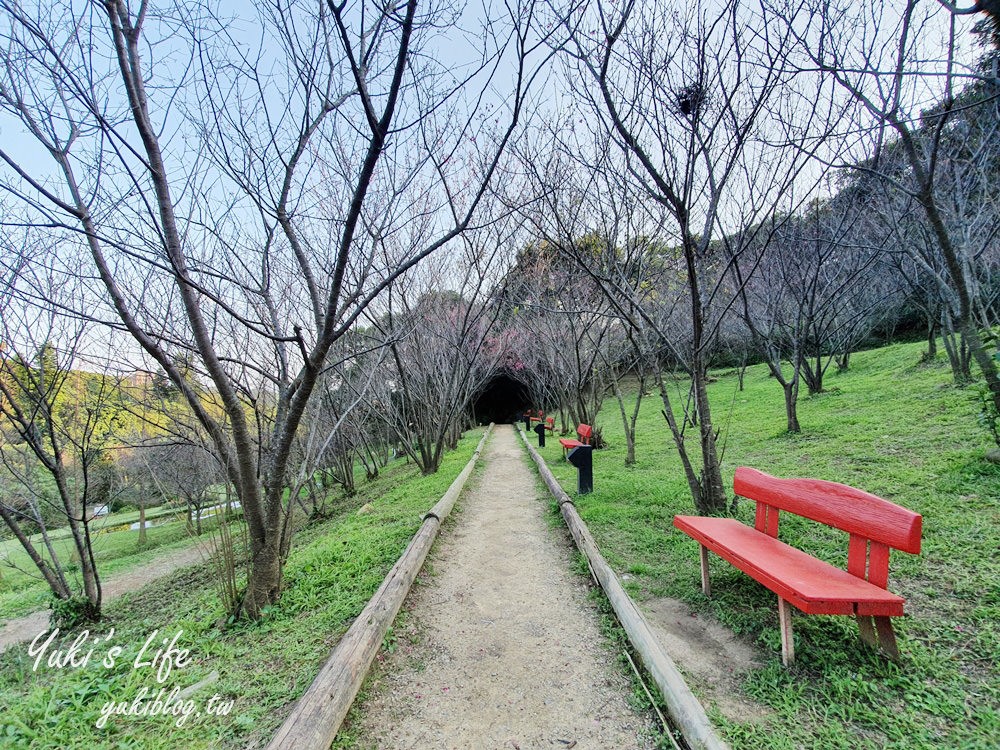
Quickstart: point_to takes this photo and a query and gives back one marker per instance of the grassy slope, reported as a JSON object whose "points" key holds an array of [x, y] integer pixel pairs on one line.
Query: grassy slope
{"points": [[888, 426], [22, 589], [333, 570]]}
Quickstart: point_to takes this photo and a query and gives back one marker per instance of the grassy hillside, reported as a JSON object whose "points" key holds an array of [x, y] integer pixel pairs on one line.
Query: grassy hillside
{"points": [[333, 570], [889, 426], [116, 548]]}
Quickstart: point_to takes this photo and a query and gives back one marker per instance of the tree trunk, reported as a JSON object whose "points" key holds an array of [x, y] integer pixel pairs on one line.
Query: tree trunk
{"points": [[791, 389], [81, 547], [954, 347], [264, 580], [635, 416], [629, 433], [47, 541], [813, 378], [844, 361], [932, 332], [57, 582], [712, 498], [692, 479], [970, 337]]}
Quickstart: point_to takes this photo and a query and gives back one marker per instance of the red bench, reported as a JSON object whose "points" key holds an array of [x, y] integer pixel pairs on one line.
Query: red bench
{"points": [[814, 586], [584, 432], [550, 424]]}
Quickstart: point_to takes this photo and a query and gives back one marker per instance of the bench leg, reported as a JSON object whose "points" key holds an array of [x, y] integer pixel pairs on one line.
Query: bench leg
{"points": [[706, 584], [785, 623], [887, 637], [866, 628], [876, 632]]}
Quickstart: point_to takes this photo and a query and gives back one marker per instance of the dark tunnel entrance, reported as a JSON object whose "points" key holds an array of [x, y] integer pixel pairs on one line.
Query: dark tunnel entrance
{"points": [[503, 399]]}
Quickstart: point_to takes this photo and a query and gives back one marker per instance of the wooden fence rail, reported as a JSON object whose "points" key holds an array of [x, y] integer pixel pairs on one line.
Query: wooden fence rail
{"points": [[684, 709], [316, 717]]}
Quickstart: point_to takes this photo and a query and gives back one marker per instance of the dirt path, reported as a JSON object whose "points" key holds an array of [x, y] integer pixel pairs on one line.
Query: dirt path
{"points": [[500, 648], [27, 627]]}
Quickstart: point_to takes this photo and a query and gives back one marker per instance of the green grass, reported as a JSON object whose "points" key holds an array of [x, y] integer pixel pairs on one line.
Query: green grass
{"points": [[99, 525], [889, 426], [22, 589], [333, 570]]}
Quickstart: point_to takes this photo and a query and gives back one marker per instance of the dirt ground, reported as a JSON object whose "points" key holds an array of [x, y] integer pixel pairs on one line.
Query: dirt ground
{"points": [[713, 660], [500, 647], [27, 627]]}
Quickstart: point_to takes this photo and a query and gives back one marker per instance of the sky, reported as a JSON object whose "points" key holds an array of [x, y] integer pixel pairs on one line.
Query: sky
{"points": [[454, 48]]}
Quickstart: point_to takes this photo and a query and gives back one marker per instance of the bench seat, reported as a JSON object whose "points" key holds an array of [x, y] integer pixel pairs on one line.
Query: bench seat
{"points": [[584, 432], [811, 585]]}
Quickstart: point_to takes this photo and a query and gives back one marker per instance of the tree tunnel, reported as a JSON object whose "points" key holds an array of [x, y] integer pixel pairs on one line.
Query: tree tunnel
{"points": [[502, 399]]}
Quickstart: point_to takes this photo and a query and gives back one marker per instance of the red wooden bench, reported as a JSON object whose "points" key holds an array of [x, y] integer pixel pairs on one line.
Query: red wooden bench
{"points": [[814, 586], [550, 424], [584, 432]]}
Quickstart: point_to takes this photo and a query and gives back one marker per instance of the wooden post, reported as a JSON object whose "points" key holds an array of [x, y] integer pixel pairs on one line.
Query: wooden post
{"points": [[785, 623], [887, 637], [866, 628]]}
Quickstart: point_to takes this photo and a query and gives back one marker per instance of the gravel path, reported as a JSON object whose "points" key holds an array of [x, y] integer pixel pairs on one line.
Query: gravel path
{"points": [[27, 627], [500, 647]]}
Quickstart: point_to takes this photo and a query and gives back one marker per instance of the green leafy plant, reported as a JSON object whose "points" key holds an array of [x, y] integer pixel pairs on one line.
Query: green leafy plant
{"points": [[66, 614], [989, 417]]}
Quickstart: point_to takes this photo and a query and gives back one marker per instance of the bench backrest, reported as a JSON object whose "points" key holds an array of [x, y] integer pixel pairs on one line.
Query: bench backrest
{"points": [[852, 510], [585, 432], [866, 517]]}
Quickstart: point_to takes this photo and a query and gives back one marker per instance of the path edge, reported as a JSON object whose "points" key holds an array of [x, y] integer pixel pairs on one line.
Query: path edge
{"points": [[684, 708], [317, 716]]}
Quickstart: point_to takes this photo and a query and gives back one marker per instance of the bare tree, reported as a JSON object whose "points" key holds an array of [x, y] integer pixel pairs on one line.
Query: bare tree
{"points": [[184, 471], [812, 294], [231, 196], [968, 205], [890, 72], [622, 356], [56, 424], [444, 347], [596, 222], [700, 102], [563, 321], [915, 260]]}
